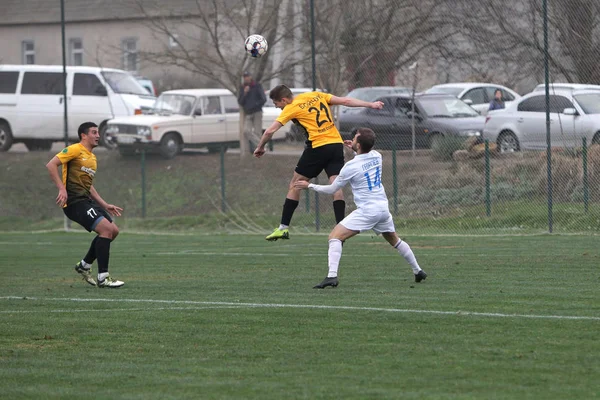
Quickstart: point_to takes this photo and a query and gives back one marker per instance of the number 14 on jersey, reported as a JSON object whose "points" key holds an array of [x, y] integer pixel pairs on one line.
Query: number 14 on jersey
{"points": [[376, 182]]}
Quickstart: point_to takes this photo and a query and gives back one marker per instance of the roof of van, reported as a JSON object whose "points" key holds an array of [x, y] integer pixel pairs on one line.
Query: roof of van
{"points": [[59, 68], [200, 92], [20, 12]]}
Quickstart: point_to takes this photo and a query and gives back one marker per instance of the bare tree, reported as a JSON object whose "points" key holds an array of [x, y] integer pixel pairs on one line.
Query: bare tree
{"points": [[505, 39]]}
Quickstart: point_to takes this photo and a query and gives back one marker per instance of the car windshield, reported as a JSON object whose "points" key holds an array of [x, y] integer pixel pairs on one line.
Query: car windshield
{"points": [[446, 108], [370, 94], [590, 102], [454, 91], [174, 104], [124, 83]]}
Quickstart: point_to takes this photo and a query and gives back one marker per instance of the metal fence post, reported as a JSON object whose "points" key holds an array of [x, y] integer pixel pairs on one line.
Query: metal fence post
{"points": [[488, 201], [585, 176], [223, 200], [143, 165]]}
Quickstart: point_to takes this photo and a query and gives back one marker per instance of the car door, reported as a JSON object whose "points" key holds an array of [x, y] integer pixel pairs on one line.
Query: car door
{"points": [[384, 124], [562, 126], [531, 122], [88, 100], [478, 100], [41, 109], [232, 117], [208, 125]]}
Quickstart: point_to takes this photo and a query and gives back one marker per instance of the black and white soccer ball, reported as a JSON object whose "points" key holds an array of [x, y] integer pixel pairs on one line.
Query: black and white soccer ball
{"points": [[256, 45]]}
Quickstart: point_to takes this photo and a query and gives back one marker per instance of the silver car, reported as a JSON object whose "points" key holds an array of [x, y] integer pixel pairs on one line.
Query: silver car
{"points": [[574, 114], [477, 95]]}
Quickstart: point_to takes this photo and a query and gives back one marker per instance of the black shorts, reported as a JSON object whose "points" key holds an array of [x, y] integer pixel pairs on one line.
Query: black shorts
{"points": [[329, 158], [87, 213]]}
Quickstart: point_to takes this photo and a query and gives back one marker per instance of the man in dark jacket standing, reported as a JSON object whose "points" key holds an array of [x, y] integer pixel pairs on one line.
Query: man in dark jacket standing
{"points": [[251, 99]]}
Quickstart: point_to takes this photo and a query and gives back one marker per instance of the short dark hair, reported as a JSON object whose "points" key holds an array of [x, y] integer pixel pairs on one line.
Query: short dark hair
{"points": [[366, 139], [279, 92], [85, 128], [498, 90]]}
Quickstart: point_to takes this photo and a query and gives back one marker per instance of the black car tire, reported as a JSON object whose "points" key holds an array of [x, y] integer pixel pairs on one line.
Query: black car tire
{"points": [[507, 142], [6, 137], [170, 145], [108, 141], [596, 138]]}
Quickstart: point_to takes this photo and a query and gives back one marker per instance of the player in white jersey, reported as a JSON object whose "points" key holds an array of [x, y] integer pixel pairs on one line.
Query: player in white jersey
{"points": [[372, 210]]}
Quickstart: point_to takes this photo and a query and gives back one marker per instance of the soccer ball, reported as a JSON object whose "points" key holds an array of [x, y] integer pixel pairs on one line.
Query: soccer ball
{"points": [[256, 45]]}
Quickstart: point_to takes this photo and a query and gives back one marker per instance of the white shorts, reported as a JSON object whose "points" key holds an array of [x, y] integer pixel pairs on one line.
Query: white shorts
{"points": [[361, 220]]}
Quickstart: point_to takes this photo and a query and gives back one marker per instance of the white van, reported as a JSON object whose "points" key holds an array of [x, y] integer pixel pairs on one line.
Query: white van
{"points": [[32, 109]]}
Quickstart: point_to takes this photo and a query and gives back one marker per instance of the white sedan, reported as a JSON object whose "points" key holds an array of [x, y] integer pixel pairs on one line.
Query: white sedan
{"points": [[574, 114], [477, 95]]}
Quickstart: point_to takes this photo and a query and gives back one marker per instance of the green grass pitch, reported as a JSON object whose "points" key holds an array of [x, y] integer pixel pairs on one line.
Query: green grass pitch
{"points": [[235, 317]]}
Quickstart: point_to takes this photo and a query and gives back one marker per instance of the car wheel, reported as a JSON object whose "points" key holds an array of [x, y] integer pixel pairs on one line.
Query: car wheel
{"points": [[507, 142], [107, 140], [6, 138], [170, 145], [216, 148], [38, 145], [596, 139], [436, 140]]}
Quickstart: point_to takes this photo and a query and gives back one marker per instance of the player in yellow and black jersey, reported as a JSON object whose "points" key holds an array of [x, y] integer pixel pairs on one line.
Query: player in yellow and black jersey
{"points": [[82, 203], [324, 146]]}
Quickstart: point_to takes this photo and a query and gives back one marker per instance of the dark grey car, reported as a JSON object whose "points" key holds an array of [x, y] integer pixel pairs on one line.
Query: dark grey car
{"points": [[435, 116]]}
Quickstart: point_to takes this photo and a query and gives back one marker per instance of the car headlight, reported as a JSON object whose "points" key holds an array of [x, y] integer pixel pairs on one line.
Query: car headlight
{"points": [[470, 132], [144, 131], [112, 129]]}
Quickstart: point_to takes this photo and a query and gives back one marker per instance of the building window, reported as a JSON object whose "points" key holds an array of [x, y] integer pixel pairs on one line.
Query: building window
{"points": [[28, 52], [76, 51], [130, 55]]}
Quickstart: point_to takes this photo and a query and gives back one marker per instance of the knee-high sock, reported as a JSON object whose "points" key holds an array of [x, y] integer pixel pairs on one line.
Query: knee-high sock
{"points": [[339, 209], [405, 251], [288, 211], [334, 254], [90, 257], [103, 254]]}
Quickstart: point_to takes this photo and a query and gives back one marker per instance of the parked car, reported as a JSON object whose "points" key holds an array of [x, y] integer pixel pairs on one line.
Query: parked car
{"points": [[188, 118], [32, 109], [147, 84], [477, 95], [367, 93], [574, 114], [436, 116], [567, 86], [292, 133]]}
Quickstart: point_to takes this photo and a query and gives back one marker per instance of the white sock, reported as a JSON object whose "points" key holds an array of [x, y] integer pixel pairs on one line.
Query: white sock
{"points": [[85, 265], [282, 227], [405, 251], [335, 253], [102, 276]]}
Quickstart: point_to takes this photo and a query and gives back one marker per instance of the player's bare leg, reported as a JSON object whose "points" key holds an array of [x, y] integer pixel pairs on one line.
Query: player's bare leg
{"points": [[405, 251], [338, 235], [292, 199]]}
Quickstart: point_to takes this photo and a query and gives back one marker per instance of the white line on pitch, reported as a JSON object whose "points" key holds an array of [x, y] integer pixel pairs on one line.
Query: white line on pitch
{"points": [[117, 309], [311, 306]]}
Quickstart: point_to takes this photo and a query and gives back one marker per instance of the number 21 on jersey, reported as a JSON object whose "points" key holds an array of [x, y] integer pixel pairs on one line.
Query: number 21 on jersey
{"points": [[376, 182]]}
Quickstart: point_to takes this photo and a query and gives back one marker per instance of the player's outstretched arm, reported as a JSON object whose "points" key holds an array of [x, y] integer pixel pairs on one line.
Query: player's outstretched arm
{"points": [[336, 185], [352, 102], [260, 148], [52, 167], [111, 208]]}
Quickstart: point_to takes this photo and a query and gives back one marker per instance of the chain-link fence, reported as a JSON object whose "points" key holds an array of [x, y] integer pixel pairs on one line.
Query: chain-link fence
{"points": [[450, 164]]}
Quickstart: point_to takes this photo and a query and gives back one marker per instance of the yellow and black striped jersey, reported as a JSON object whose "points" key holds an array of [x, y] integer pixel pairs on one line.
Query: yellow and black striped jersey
{"points": [[311, 112]]}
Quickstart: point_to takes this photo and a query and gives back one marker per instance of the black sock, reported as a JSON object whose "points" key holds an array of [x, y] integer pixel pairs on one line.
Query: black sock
{"points": [[90, 257], [288, 211], [103, 253], [339, 209]]}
